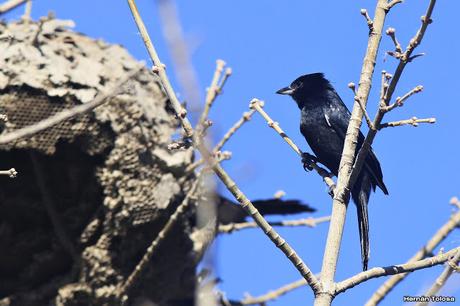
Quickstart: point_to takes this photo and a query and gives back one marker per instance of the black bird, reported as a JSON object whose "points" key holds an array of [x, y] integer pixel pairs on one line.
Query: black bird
{"points": [[324, 122]]}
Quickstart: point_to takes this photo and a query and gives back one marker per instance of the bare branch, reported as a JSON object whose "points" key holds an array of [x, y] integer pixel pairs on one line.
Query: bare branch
{"points": [[213, 91], [404, 268], [68, 113], [414, 121], [362, 154], [308, 222], [392, 33], [9, 5], [451, 266], [393, 3], [369, 21], [427, 250], [160, 69], [400, 100], [217, 168], [12, 173], [257, 105], [274, 294], [351, 85]]}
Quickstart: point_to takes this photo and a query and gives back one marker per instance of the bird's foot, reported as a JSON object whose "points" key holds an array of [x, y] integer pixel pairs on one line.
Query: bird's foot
{"points": [[308, 160]]}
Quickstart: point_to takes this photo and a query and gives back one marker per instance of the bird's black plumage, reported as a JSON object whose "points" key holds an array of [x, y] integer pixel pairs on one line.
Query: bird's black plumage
{"points": [[324, 122]]}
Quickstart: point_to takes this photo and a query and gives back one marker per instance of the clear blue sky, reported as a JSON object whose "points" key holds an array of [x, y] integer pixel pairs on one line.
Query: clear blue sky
{"points": [[268, 44]]}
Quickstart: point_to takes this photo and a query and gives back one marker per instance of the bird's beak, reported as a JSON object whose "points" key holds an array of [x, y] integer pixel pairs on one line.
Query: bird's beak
{"points": [[285, 91]]}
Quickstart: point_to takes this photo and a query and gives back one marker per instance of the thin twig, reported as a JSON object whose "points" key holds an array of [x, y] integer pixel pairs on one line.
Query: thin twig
{"points": [[159, 68], [426, 250], [9, 5], [392, 33], [370, 23], [414, 121], [400, 100], [257, 105], [140, 267], [396, 269], [393, 3], [274, 294], [309, 222], [12, 173], [100, 99], [217, 168], [213, 91], [450, 268]]}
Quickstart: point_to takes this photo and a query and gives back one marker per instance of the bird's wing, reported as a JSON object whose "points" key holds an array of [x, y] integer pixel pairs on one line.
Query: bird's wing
{"points": [[337, 117]]}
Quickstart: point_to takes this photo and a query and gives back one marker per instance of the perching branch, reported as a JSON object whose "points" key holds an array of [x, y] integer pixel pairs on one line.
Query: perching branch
{"points": [[257, 105], [451, 267], [426, 250], [309, 222], [216, 167], [274, 294], [404, 268]]}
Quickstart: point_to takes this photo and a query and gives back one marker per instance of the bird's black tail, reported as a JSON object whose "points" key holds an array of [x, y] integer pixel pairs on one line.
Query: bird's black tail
{"points": [[360, 194]]}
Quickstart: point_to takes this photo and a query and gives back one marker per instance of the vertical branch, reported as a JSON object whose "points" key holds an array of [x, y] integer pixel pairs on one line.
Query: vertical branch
{"points": [[342, 191]]}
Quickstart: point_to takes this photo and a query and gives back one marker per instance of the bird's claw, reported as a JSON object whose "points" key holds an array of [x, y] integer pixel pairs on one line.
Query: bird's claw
{"points": [[308, 160]]}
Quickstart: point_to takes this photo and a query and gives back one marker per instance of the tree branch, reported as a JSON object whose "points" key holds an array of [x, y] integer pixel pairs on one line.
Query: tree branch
{"points": [[213, 91], [309, 222], [414, 121], [404, 268], [405, 58], [9, 5], [274, 294], [426, 250]]}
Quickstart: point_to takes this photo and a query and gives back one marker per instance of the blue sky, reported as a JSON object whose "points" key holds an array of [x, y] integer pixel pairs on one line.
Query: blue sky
{"points": [[268, 44]]}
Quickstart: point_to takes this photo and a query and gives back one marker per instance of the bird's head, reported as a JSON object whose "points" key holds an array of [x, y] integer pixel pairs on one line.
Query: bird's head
{"points": [[306, 86]]}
